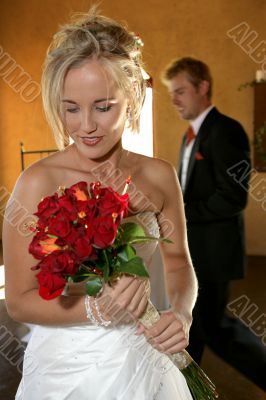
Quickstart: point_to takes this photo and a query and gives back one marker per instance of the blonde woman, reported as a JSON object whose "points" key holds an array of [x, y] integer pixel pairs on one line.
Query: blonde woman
{"points": [[93, 86]]}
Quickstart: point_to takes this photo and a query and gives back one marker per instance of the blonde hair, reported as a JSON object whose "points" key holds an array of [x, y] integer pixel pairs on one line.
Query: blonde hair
{"points": [[90, 36]]}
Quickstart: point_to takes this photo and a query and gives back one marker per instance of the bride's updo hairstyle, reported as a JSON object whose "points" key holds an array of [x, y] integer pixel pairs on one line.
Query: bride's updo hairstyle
{"points": [[92, 36]]}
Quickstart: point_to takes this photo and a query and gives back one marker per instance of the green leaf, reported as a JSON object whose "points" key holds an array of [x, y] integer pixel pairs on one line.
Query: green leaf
{"points": [[134, 233], [93, 286], [135, 266], [126, 252], [145, 239], [130, 230], [106, 267], [80, 277]]}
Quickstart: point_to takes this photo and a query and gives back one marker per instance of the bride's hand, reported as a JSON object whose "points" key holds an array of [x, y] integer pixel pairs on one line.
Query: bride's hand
{"points": [[169, 334], [125, 301]]}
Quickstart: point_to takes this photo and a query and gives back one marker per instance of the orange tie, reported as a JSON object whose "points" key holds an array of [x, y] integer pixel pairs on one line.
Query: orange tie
{"points": [[190, 135]]}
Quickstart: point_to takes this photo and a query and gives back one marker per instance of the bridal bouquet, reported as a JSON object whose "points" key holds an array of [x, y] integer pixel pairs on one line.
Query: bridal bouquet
{"points": [[80, 236]]}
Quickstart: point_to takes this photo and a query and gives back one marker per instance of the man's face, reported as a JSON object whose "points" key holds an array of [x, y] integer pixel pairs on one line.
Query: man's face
{"points": [[189, 100]]}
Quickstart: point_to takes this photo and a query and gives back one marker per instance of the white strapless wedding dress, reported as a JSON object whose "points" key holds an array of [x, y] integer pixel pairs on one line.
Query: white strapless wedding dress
{"points": [[86, 362]]}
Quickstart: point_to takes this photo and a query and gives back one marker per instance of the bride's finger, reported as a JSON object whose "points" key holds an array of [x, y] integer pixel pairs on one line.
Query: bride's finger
{"points": [[111, 309], [144, 299], [181, 345], [139, 300], [126, 282], [114, 299], [122, 283], [118, 287], [142, 306]]}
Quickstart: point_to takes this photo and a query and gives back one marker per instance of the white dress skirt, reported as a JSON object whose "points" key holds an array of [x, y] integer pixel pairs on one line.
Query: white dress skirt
{"points": [[87, 362]]}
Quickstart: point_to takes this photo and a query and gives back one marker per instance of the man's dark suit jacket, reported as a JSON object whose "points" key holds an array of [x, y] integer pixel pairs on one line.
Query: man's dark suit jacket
{"points": [[215, 195]]}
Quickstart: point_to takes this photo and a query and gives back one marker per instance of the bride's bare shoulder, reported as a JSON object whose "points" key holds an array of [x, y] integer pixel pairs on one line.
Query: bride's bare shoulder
{"points": [[155, 169], [42, 177]]}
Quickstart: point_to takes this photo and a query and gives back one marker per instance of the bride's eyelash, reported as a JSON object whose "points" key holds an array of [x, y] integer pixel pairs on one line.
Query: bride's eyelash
{"points": [[101, 109], [104, 109], [72, 110]]}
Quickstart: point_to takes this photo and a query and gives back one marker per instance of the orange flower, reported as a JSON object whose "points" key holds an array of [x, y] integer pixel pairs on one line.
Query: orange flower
{"points": [[79, 191], [48, 245], [80, 195]]}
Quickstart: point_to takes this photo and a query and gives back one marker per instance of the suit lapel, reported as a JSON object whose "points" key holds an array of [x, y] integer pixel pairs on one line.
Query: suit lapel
{"points": [[179, 164], [192, 160]]}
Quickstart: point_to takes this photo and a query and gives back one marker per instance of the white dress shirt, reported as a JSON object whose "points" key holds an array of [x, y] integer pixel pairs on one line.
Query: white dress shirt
{"points": [[196, 124]]}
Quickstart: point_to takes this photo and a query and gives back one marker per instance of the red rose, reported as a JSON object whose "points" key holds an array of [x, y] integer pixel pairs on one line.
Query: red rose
{"points": [[111, 202], [88, 207], [42, 245], [50, 285], [82, 248], [58, 262], [104, 232], [66, 203], [59, 225], [47, 207], [79, 191], [95, 189], [41, 225], [72, 236]]}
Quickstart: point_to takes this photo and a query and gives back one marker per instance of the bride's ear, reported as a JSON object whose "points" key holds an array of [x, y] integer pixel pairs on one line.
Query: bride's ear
{"points": [[129, 115]]}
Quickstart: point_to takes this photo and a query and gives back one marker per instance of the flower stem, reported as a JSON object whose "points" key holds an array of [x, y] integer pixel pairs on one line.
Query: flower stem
{"points": [[198, 382], [106, 266]]}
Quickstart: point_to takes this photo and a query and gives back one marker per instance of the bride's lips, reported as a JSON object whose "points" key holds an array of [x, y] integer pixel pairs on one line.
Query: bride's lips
{"points": [[91, 141]]}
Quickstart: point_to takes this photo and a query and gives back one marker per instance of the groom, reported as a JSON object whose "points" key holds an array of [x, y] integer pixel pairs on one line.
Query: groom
{"points": [[212, 149]]}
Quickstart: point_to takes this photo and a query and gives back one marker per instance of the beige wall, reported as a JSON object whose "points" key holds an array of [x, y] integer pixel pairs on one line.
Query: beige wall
{"points": [[169, 29]]}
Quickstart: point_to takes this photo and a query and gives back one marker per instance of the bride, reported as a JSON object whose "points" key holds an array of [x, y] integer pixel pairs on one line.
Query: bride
{"points": [[92, 86]]}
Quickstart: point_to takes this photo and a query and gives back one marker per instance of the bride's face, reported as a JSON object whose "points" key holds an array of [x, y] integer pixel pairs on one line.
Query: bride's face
{"points": [[94, 109]]}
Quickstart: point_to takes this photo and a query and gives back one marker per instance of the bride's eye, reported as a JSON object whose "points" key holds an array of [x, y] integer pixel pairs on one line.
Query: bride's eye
{"points": [[103, 108], [72, 110]]}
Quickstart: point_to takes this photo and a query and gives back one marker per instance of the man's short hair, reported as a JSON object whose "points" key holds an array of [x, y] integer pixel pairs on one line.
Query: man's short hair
{"points": [[197, 71]]}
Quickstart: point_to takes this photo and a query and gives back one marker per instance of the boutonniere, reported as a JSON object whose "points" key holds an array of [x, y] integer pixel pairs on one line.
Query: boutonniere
{"points": [[199, 156]]}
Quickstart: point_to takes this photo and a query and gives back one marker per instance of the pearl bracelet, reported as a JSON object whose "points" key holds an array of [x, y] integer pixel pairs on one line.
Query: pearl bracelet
{"points": [[90, 315], [103, 322], [89, 311]]}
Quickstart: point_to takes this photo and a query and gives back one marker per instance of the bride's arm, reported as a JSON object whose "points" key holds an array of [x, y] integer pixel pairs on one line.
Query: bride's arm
{"points": [[170, 333], [180, 277], [23, 301]]}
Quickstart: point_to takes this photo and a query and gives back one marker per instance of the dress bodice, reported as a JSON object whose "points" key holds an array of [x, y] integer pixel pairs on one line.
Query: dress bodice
{"points": [[149, 222]]}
